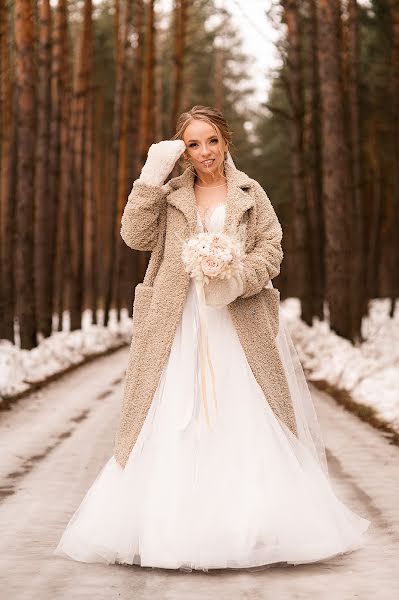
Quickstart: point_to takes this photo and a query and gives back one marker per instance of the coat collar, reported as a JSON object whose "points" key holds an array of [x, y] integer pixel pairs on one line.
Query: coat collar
{"points": [[237, 199]]}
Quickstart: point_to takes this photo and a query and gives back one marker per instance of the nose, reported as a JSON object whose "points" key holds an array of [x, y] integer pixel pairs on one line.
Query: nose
{"points": [[205, 151]]}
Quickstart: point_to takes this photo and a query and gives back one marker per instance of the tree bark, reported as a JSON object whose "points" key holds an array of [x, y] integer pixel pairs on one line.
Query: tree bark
{"points": [[296, 96], [358, 280], [25, 98], [395, 112], [90, 199], [336, 172], [76, 189], [137, 78], [146, 127], [8, 147], [121, 248], [44, 210], [178, 59], [315, 170], [121, 34], [60, 154], [57, 151]]}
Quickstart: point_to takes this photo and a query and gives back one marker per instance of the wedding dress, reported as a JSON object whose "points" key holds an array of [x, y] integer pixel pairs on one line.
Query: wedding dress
{"points": [[245, 493]]}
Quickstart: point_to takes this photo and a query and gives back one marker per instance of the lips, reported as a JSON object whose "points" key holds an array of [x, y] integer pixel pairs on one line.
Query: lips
{"points": [[208, 163]]}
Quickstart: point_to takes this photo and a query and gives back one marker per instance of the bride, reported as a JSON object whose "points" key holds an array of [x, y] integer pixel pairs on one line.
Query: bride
{"points": [[248, 485]]}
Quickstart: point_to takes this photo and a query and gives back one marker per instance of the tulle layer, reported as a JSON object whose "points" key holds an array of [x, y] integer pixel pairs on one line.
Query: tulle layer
{"points": [[244, 493]]}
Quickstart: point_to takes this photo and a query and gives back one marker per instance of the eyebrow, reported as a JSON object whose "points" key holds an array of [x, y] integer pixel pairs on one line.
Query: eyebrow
{"points": [[211, 136]]}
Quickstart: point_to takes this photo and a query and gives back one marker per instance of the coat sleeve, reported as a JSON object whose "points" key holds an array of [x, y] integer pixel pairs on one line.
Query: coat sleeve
{"points": [[140, 218], [263, 262]]}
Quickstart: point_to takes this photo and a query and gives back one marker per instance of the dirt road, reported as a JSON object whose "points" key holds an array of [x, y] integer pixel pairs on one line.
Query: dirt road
{"points": [[54, 442]]}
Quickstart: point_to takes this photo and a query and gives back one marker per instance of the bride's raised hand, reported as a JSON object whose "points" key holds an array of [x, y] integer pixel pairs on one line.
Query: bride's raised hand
{"points": [[161, 159]]}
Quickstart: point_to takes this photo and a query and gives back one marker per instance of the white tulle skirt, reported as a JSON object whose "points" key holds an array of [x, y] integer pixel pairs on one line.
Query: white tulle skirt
{"points": [[244, 493]]}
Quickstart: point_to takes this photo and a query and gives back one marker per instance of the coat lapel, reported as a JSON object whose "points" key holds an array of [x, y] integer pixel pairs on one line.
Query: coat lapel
{"points": [[237, 199]]}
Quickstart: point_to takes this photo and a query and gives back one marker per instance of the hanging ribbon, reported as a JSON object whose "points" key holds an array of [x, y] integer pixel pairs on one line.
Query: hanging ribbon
{"points": [[204, 354]]}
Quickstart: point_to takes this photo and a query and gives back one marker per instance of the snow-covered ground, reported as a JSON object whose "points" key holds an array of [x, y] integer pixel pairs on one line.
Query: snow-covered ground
{"points": [[369, 371], [20, 370]]}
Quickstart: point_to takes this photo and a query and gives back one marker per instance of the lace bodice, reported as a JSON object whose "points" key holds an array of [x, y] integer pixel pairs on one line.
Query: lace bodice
{"points": [[214, 218]]}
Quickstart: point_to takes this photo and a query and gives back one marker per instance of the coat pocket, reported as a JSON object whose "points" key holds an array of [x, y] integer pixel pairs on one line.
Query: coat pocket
{"points": [[142, 300]]}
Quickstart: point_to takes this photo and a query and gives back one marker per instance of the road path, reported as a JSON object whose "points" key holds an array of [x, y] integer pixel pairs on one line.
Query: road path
{"points": [[54, 442]]}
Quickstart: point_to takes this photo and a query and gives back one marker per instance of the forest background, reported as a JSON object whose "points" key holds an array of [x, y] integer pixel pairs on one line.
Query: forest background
{"points": [[86, 88]]}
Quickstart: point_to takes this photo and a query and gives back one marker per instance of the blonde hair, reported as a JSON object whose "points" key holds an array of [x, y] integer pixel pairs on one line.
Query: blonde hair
{"points": [[204, 113]]}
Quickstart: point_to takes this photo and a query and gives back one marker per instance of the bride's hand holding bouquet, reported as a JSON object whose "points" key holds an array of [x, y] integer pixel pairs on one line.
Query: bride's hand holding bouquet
{"points": [[214, 261]]}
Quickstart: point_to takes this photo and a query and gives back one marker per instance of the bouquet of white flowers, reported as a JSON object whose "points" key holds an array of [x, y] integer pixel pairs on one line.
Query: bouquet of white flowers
{"points": [[209, 255]]}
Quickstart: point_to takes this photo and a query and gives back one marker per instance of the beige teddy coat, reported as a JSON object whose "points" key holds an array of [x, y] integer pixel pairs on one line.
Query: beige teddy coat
{"points": [[157, 219]]}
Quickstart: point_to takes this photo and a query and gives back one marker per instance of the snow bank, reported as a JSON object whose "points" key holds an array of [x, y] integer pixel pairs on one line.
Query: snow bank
{"points": [[20, 370], [368, 371]]}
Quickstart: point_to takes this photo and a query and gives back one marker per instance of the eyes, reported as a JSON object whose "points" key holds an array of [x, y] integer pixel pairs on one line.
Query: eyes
{"points": [[213, 140]]}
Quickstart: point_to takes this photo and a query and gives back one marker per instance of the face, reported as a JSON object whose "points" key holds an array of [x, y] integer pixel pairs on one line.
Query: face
{"points": [[203, 147]]}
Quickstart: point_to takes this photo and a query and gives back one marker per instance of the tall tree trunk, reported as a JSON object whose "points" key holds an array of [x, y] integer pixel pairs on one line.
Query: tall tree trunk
{"points": [[8, 147], [179, 39], [336, 172], [134, 124], [25, 78], [187, 91], [146, 128], [61, 154], [121, 33], [5, 99], [93, 206], [91, 222], [296, 94], [159, 96], [44, 210], [101, 175], [147, 103], [395, 129], [315, 171], [121, 254], [76, 196], [178, 58], [137, 86], [123, 292], [358, 280], [376, 200]]}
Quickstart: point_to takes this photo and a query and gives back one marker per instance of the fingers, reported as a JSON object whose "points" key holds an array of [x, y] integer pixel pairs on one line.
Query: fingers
{"points": [[172, 146], [161, 159], [179, 147], [167, 149]]}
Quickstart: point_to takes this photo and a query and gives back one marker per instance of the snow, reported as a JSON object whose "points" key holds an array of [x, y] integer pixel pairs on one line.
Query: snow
{"points": [[21, 370], [368, 371]]}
